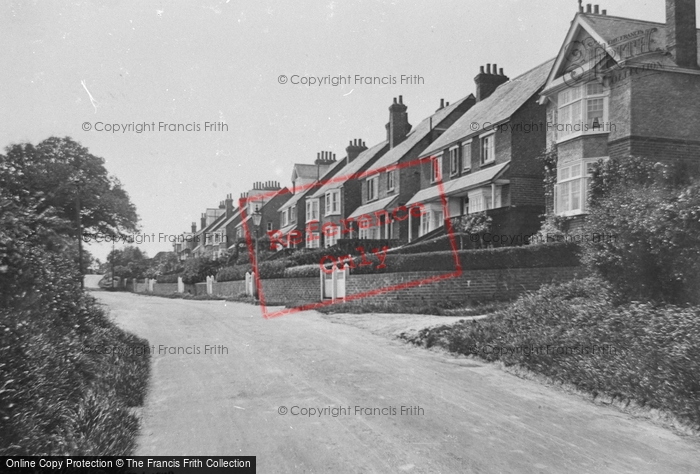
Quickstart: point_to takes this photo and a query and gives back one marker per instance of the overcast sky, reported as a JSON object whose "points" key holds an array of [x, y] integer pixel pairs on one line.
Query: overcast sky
{"points": [[122, 62]]}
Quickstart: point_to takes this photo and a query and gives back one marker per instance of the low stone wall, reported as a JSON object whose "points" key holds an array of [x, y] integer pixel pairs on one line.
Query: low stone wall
{"points": [[164, 288], [291, 291]]}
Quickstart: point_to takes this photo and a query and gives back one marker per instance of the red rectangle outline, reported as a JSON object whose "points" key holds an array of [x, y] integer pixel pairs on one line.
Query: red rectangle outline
{"points": [[341, 179]]}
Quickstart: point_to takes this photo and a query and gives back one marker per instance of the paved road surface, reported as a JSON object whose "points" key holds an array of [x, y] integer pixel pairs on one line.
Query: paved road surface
{"points": [[473, 417]]}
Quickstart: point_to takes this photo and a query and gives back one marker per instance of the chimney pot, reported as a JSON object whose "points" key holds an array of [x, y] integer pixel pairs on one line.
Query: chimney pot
{"points": [[605, 12], [495, 68], [482, 70], [442, 103], [588, 8], [447, 104], [488, 69], [400, 99], [395, 100], [595, 10], [500, 72]]}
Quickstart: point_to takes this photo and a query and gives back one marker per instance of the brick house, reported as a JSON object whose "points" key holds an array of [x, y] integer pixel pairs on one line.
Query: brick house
{"points": [[390, 182], [185, 243], [338, 198], [294, 214], [204, 237], [487, 161], [622, 87], [271, 196]]}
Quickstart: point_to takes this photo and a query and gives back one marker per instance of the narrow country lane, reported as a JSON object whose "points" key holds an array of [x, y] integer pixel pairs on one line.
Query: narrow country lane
{"points": [[472, 417]]}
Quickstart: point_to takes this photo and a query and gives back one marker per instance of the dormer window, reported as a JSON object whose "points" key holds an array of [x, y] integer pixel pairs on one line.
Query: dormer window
{"points": [[582, 110]]}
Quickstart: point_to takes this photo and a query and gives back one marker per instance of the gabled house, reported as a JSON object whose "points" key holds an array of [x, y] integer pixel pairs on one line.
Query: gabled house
{"points": [[487, 161], [265, 198], [185, 243], [340, 196], [203, 237], [295, 213], [393, 179], [622, 87]]}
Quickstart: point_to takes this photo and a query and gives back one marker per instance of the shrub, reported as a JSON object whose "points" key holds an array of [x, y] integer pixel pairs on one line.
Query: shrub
{"points": [[574, 333], [234, 273], [653, 217]]}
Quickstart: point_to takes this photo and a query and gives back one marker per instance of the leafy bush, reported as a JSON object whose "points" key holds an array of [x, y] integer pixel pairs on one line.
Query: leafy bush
{"points": [[653, 212], [58, 395], [574, 333], [234, 273]]}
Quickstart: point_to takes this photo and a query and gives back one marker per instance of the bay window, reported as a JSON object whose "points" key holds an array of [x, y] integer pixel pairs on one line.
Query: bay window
{"points": [[372, 188], [582, 109], [571, 190]]}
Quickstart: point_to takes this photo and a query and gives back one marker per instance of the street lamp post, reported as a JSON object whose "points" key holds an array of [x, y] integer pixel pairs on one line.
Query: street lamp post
{"points": [[257, 218]]}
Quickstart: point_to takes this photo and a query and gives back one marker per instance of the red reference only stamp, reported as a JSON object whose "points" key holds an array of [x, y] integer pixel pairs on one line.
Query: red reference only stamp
{"points": [[381, 219]]}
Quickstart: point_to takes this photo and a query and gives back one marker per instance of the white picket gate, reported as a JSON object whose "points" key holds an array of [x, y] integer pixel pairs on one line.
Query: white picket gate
{"points": [[210, 285], [180, 285], [250, 288]]}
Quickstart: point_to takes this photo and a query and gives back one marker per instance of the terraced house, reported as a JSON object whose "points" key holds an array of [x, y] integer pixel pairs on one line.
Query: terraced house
{"points": [[296, 213], [622, 87], [340, 196], [487, 161], [394, 178]]}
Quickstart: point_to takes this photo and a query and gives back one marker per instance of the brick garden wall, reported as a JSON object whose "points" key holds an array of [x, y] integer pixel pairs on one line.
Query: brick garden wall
{"points": [[473, 285]]}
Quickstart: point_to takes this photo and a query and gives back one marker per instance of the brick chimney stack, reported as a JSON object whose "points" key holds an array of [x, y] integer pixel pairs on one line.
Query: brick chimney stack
{"points": [[203, 221], [487, 81], [398, 126], [356, 147], [229, 205], [681, 36], [324, 158], [194, 227]]}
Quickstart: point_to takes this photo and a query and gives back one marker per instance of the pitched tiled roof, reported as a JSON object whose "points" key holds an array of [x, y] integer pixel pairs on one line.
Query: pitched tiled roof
{"points": [[296, 197], [373, 206], [309, 171], [499, 106], [416, 135], [352, 169], [613, 30]]}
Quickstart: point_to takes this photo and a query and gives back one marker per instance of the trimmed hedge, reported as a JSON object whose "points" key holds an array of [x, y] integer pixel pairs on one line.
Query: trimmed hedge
{"points": [[172, 278], [573, 333], [438, 244], [557, 254], [268, 270], [303, 271]]}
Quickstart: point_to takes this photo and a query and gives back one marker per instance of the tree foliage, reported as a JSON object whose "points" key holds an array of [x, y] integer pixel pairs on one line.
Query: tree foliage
{"points": [[58, 173], [653, 212]]}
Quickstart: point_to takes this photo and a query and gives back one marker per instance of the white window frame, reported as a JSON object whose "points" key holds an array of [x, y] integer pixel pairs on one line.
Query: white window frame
{"points": [[467, 155], [372, 188], [488, 153], [573, 178], [332, 200], [573, 111], [293, 214], [454, 160], [313, 240], [269, 226], [312, 210], [391, 180], [436, 171], [285, 217], [331, 240]]}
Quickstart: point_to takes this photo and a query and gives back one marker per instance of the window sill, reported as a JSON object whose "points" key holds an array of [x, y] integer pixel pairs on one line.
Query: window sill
{"points": [[579, 135], [577, 212], [334, 213]]}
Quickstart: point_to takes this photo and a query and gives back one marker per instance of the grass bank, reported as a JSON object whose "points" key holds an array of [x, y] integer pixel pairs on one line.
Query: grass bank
{"points": [[574, 334]]}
